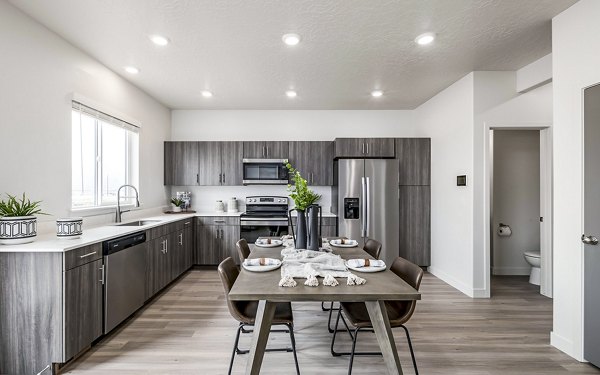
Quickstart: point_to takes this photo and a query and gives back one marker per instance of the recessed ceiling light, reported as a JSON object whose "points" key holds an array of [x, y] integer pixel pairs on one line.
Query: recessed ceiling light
{"points": [[207, 94], [132, 70], [376, 93], [424, 39], [291, 39], [159, 40], [291, 94]]}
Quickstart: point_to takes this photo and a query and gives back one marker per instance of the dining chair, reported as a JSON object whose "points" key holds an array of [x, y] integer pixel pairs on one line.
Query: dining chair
{"points": [[373, 248], [243, 249], [245, 313], [399, 312]]}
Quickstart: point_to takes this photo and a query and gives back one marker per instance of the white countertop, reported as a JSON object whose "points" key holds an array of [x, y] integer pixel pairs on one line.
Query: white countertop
{"points": [[50, 243]]}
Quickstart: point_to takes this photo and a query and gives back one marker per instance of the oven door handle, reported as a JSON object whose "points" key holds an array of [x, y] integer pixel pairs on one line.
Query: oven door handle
{"points": [[263, 222]]}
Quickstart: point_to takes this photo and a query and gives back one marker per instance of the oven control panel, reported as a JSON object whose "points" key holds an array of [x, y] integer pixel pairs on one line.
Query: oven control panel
{"points": [[262, 200]]}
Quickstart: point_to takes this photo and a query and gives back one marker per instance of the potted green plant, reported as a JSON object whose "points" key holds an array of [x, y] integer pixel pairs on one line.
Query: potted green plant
{"points": [[18, 223], [303, 198], [177, 203]]}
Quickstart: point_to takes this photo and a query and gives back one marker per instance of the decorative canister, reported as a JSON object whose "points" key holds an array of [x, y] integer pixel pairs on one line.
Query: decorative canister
{"points": [[232, 205], [70, 227], [220, 207]]}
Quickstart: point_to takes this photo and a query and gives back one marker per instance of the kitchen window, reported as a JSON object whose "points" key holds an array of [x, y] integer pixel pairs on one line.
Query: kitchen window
{"points": [[104, 157]]}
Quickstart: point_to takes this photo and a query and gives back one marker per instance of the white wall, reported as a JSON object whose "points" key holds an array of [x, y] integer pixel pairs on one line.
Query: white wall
{"points": [[40, 71], [516, 199], [575, 47], [448, 119]]}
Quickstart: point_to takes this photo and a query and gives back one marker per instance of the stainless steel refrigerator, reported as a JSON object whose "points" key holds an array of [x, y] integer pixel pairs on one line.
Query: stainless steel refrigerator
{"points": [[366, 202]]}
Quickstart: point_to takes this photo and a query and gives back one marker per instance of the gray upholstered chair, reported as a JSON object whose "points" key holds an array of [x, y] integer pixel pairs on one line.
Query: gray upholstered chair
{"points": [[243, 250], [399, 312], [245, 312]]}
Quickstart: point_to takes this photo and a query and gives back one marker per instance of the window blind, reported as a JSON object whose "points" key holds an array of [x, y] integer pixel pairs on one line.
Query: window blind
{"points": [[104, 117]]}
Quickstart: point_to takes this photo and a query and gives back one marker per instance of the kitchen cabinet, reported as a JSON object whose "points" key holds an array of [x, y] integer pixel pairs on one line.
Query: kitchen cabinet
{"points": [[414, 156], [266, 150], [181, 163], [215, 239], [203, 163], [83, 303], [415, 224], [364, 148], [314, 160], [181, 250], [158, 267]]}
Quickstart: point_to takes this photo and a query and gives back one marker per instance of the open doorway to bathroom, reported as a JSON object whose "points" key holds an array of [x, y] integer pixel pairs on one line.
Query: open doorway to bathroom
{"points": [[520, 209]]}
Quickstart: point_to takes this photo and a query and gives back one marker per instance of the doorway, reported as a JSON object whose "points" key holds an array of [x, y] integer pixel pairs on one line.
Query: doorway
{"points": [[519, 200]]}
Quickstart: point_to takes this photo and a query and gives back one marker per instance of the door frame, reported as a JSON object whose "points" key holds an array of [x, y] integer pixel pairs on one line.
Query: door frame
{"points": [[546, 210]]}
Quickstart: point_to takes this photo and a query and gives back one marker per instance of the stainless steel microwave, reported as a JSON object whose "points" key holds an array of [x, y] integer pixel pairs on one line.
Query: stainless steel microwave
{"points": [[264, 172]]}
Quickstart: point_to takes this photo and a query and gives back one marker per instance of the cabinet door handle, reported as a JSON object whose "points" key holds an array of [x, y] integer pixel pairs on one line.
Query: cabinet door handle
{"points": [[217, 233], [223, 178], [186, 223], [264, 152], [363, 148], [101, 274], [220, 221], [267, 151], [197, 178], [181, 239], [219, 179], [367, 148], [166, 246], [222, 229], [87, 255]]}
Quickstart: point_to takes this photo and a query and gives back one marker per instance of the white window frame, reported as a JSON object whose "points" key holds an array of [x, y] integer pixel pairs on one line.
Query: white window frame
{"points": [[131, 152]]}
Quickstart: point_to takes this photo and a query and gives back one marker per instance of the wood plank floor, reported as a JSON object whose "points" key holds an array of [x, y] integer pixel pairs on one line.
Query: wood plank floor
{"points": [[188, 330]]}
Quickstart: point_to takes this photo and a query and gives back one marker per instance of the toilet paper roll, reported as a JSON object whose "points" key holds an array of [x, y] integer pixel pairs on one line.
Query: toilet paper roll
{"points": [[504, 231]]}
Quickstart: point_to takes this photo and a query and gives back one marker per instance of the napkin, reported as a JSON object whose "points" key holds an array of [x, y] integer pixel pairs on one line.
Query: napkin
{"points": [[262, 262], [357, 263]]}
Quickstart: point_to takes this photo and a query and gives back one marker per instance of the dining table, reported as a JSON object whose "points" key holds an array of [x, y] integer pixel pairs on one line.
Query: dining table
{"points": [[264, 287]]}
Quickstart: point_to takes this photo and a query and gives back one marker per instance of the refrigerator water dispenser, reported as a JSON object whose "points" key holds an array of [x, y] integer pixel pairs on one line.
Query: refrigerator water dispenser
{"points": [[351, 208]]}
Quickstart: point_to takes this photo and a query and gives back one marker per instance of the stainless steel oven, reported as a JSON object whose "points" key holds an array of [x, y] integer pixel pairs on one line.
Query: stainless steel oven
{"points": [[264, 172], [265, 216]]}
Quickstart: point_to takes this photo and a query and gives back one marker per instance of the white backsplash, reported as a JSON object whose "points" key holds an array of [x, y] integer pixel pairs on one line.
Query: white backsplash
{"points": [[204, 197]]}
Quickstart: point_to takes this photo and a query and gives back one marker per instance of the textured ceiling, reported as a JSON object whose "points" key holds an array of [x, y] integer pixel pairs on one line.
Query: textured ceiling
{"points": [[349, 47]]}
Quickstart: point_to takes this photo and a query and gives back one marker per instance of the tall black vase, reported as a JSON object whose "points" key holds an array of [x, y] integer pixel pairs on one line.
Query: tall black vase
{"points": [[301, 234], [314, 235]]}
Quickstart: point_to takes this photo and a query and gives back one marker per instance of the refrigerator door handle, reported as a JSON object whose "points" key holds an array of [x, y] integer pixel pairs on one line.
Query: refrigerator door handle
{"points": [[363, 207], [368, 211]]}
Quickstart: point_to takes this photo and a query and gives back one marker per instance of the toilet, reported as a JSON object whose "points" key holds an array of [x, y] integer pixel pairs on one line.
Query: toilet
{"points": [[533, 258]]}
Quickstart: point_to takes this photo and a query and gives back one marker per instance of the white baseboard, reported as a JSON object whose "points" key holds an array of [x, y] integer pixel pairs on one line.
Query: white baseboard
{"points": [[566, 346], [457, 284], [512, 271]]}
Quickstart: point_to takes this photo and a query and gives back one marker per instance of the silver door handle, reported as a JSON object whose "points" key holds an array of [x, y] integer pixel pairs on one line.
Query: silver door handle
{"points": [[217, 233], [368, 206], [264, 152], [87, 255], [223, 178], [589, 240], [181, 238], [363, 149], [219, 178], [367, 148], [163, 246], [221, 233], [166, 246], [102, 274], [363, 206]]}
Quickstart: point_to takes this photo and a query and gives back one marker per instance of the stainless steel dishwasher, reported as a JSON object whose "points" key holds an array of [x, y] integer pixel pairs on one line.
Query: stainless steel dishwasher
{"points": [[125, 269]]}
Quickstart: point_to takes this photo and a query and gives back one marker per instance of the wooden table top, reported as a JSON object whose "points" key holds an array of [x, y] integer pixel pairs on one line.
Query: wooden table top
{"points": [[254, 286]]}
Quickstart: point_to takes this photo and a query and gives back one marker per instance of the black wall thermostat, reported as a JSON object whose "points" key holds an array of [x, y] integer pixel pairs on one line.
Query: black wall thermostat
{"points": [[461, 180]]}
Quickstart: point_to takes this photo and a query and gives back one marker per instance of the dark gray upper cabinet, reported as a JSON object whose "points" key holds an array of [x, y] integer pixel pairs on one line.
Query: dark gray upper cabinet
{"points": [[266, 150], [209, 163], [83, 306], [181, 163], [364, 148], [414, 155], [415, 224], [314, 160], [231, 163]]}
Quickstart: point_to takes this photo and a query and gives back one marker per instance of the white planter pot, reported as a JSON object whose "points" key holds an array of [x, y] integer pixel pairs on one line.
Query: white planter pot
{"points": [[176, 209], [17, 229], [70, 228]]}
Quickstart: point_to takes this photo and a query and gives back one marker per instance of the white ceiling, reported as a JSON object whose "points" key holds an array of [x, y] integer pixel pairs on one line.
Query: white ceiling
{"points": [[349, 47]]}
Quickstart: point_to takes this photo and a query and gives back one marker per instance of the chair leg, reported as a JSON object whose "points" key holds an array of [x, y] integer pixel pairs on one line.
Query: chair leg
{"points": [[412, 353], [293, 340], [330, 315], [353, 350], [335, 331], [235, 347], [325, 308]]}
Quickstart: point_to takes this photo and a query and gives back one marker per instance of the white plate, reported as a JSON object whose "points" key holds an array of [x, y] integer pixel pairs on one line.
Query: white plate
{"points": [[274, 243], [348, 243], [262, 268], [365, 269]]}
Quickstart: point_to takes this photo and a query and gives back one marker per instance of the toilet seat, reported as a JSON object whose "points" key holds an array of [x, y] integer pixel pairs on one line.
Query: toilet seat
{"points": [[533, 254]]}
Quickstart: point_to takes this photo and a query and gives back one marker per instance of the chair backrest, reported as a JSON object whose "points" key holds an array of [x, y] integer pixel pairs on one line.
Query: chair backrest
{"points": [[373, 247], [243, 249], [228, 272], [412, 275]]}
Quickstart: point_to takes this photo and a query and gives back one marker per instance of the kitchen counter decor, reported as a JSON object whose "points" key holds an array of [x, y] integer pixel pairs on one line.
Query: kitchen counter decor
{"points": [[303, 198], [71, 227], [18, 223]]}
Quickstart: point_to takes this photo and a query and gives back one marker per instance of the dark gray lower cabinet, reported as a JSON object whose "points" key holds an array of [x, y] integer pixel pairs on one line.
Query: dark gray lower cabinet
{"points": [[214, 243], [415, 224], [83, 306]]}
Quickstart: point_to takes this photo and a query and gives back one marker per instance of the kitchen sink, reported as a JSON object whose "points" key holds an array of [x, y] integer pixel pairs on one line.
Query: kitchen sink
{"points": [[139, 223]]}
